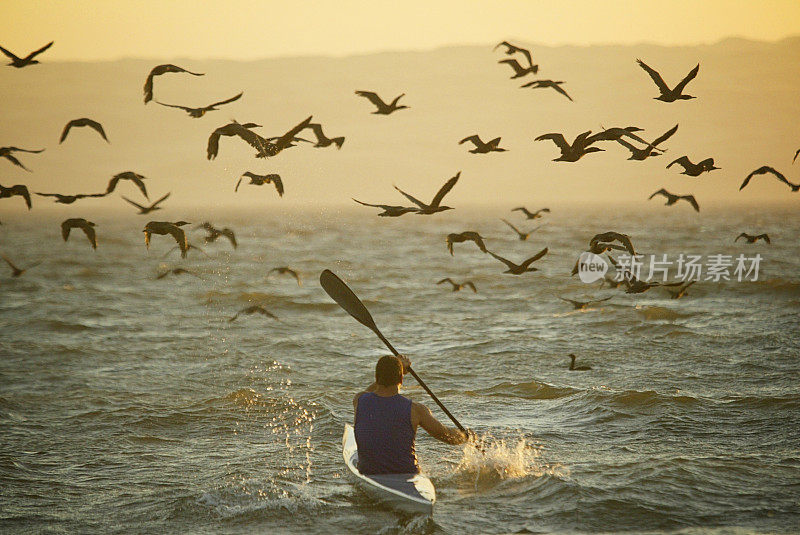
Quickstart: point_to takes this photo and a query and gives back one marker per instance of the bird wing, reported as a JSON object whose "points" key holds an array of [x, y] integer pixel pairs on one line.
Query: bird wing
{"points": [[13, 57], [764, 237], [655, 76], [228, 233], [372, 97], [574, 303], [692, 201], [742, 235], [11, 265], [665, 136], [444, 190], [140, 184], [237, 184], [317, 129], [65, 228], [22, 191], [90, 233], [137, 205], [506, 261], [449, 241], [518, 69], [159, 201], [98, 127], [600, 300], [287, 138], [15, 161], [232, 99], [148, 86], [558, 139], [275, 179], [470, 285], [37, 52], [112, 184], [689, 78], [683, 161], [662, 191], [398, 97], [795, 155], [47, 194], [510, 225], [558, 88], [412, 199], [448, 279], [180, 237], [65, 131], [474, 139], [213, 145], [534, 258], [184, 108]]}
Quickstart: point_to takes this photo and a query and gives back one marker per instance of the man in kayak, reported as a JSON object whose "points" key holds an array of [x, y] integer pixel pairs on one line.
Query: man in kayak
{"points": [[386, 422]]}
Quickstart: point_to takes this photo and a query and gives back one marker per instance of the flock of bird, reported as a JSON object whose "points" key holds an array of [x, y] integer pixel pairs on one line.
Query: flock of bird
{"points": [[522, 65]]}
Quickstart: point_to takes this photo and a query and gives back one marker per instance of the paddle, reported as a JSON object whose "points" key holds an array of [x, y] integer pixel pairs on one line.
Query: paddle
{"points": [[345, 298]]}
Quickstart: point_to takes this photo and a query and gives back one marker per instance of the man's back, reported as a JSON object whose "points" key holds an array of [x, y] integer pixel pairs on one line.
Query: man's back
{"points": [[385, 435]]}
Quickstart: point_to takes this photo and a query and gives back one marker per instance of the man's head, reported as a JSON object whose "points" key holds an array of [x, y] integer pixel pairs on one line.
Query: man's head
{"points": [[389, 371]]}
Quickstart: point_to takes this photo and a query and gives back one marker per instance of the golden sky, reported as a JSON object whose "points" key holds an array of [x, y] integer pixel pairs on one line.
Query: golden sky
{"points": [[249, 29]]}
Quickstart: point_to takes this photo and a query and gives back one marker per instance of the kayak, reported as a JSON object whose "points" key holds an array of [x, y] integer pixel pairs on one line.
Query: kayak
{"points": [[412, 493]]}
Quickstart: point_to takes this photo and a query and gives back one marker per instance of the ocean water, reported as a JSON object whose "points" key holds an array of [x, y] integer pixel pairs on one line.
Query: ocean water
{"points": [[132, 405]]}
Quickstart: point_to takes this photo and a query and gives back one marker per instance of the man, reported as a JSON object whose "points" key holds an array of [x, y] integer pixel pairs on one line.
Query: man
{"points": [[386, 422]]}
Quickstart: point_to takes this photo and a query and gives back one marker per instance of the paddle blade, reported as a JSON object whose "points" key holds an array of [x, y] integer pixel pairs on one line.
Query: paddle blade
{"points": [[345, 298]]}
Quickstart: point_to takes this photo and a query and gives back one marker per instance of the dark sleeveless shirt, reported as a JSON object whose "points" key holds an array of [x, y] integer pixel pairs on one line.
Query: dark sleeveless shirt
{"points": [[384, 435]]}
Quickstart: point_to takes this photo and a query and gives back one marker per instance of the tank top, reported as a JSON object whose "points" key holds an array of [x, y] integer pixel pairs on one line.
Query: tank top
{"points": [[384, 435]]}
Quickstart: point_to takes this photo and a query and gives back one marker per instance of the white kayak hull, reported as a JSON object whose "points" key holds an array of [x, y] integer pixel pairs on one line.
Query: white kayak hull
{"points": [[412, 493]]}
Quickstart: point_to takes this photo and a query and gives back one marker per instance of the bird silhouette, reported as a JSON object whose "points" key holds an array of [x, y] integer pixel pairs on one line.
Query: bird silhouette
{"points": [[6, 152], [214, 234], [27, 60], [524, 267], [69, 199], [531, 215], [752, 239], [458, 287], [574, 368], [177, 271], [78, 222], [672, 199], [265, 147], [163, 228], [285, 270], [435, 205], [18, 189], [147, 209], [383, 108], [260, 180], [519, 70], [579, 148], [632, 284], [796, 154], [544, 84], [481, 147], [764, 170], [465, 236], [389, 210], [694, 169], [521, 235], [84, 121], [199, 112], [581, 305], [254, 309], [16, 271], [158, 71], [667, 94], [614, 133], [605, 241], [189, 247], [322, 139], [650, 149], [681, 291], [136, 178]]}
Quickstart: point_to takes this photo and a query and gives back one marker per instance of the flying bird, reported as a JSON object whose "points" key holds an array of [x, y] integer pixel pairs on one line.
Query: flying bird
{"points": [[322, 139], [524, 267], [286, 271], [574, 368], [84, 121], [694, 169], [651, 148], [265, 147], [260, 180], [147, 209], [543, 84], [383, 108], [158, 71], [764, 170], [389, 210], [667, 94], [18, 189], [253, 310], [176, 271], [465, 236], [604, 241], [574, 152], [435, 205], [614, 133], [199, 112], [531, 215], [16, 271], [136, 178], [513, 49], [163, 228], [458, 287], [672, 199], [521, 235], [6, 152], [681, 291], [214, 234], [189, 247], [69, 199], [481, 147], [27, 60], [581, 305], [752, 239], [78, 222]]}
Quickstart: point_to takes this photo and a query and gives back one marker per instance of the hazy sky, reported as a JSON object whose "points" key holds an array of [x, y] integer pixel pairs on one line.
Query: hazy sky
{"points": [[248, 29]]}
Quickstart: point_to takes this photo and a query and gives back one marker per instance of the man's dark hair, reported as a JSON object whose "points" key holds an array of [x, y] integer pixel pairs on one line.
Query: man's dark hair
{"points": [[389, 371]]}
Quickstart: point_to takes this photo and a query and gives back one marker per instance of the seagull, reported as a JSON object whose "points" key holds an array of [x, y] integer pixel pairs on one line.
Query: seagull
{"points": [[199, 112], [521, 235], [69, 199], [481, 147], [574, 368], [27, 60], [519, 269], [539, 84], [214, 234], [176, 271], [159, 70], [681, 291], [260, 180], [383, 108], [165, 227], [18, 189], [84, 121], [322, 139], [651, 148], [147, 209], [265, 147], [571, 153], [513, 49], [458, 287], [529, 214], [136, 178], [78, 222], [581, 305], [252, 310], [667, 94], [766, 169], [5, 152], [286, 271], [15, 271], [693, 169], [434, 206], [465, 236], [752, 239], [389, 210], [672, 199], [614, 133], [604, 241]]}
